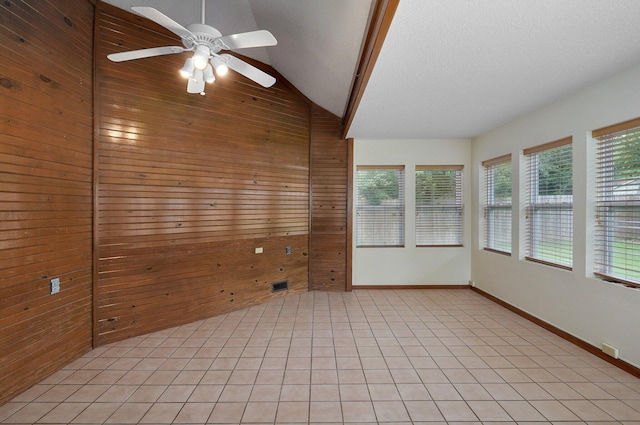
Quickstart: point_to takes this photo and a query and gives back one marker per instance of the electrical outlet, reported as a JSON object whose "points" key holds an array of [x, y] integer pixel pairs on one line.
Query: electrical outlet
{"points": [[259, 250], [55, 285]]}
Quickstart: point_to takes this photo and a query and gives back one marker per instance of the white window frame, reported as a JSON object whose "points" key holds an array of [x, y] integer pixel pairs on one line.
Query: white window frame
{"points": [[617, 255], [386, 223], [440, 222], [549, 217], [497, 212]]}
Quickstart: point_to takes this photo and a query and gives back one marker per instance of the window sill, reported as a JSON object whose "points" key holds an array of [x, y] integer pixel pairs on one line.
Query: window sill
{"points": [[549, 263]]}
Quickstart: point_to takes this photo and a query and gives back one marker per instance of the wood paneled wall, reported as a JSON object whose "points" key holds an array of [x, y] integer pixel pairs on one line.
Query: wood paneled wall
{"points": [[45, 187], [190, 185], [328, 240], [168, 194]]}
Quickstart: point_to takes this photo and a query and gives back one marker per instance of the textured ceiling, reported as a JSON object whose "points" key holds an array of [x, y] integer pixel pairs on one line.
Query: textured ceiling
{"points": [[318, 40], [458, 68]]}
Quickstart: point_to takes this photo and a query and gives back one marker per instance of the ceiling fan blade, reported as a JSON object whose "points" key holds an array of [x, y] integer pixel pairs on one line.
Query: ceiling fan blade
{"points": [[244, 40], [145, 53], [162, 19], [249, 71], [196, 83]]}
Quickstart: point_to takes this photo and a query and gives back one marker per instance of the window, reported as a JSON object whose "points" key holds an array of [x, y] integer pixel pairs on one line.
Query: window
{"points": [[379, 206], [439, 205], [497, 204], [549, 209], [617, 236]]}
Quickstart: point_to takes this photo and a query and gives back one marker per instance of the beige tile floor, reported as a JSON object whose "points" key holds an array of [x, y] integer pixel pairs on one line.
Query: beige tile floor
{"points": [[366, 357]]}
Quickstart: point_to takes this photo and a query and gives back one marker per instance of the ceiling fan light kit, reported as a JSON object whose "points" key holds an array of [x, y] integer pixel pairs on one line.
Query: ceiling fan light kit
{"points": [[187, 69], [208, 74], [201, 57], [220, 65], [206, 43]]}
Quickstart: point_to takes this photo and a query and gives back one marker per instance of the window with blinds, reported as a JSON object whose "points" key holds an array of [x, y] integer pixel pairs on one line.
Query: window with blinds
{"points": [[549, 209], [617, 238], [379, 206], [439, 208], [497, 204]]}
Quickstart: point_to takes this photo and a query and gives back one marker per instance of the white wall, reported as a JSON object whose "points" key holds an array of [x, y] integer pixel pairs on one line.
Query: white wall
{"points": [[575, 301], [411, 265]]}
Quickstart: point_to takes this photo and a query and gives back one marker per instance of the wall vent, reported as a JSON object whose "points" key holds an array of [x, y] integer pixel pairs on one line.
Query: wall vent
{"points": [[279, 286]]}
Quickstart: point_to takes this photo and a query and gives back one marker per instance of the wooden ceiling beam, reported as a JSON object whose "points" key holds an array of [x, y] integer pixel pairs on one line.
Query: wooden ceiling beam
{"points": [[382, 15]]}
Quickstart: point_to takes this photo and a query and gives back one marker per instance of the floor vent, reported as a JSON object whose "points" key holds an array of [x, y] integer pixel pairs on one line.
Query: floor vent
{"points": [[279, 286]]}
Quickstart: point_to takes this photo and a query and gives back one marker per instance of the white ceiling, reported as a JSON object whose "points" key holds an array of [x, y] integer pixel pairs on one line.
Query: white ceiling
{"points": [[448, 68]]}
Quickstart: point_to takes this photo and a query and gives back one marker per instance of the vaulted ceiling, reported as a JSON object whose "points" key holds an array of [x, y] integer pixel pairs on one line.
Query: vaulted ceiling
{"points": [[318, 40], [447, 69]]}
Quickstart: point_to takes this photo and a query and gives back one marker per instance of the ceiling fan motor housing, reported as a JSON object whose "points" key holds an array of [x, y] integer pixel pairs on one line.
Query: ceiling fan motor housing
{"points": [[204, 35]]}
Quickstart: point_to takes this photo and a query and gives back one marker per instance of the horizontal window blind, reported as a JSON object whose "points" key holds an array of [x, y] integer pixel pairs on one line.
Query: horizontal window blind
{"points": [[549, 209], [439, 209], [617, 239], [497, 204], [379, 206]]}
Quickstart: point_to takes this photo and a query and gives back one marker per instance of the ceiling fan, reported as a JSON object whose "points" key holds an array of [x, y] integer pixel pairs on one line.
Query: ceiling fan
{"points": [[206, 43]]}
